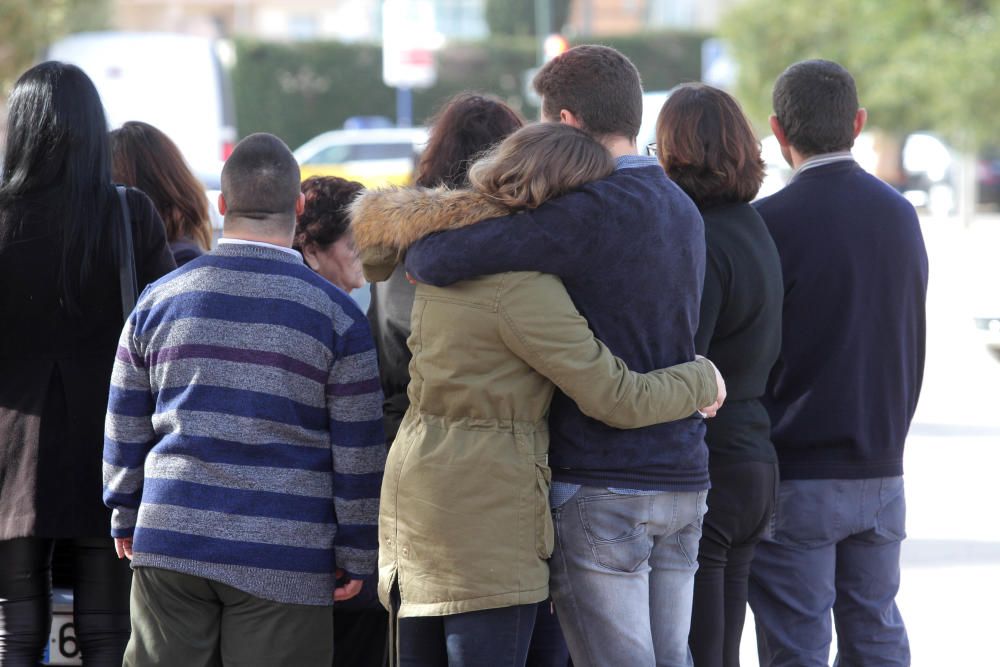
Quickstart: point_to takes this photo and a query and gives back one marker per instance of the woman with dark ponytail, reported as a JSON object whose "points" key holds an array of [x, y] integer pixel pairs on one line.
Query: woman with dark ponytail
{"points": [[61, 308]]}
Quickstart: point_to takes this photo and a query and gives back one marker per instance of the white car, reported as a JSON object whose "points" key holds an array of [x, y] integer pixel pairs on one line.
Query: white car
{"points": [[373, 157]]}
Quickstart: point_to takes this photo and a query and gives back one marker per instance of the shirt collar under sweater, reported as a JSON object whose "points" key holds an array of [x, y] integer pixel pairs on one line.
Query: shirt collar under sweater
{"points": [[820, 161], [635, 161], [230, 241]]}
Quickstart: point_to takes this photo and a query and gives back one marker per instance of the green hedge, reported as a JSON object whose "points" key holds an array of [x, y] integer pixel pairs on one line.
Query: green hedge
{"points": [[298, 90]]}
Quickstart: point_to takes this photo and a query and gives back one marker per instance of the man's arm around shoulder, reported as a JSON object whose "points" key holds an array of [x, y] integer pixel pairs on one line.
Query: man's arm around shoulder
{"points": [[556, 238]]}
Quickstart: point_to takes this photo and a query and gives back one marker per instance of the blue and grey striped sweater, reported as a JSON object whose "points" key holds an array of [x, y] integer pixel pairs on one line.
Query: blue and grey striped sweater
{"points": [[244, 440]]}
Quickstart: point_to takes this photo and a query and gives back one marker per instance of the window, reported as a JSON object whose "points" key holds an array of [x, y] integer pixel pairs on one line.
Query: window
{"points": [[340, 153], [331, 155], [464, 19], [382, 151]]}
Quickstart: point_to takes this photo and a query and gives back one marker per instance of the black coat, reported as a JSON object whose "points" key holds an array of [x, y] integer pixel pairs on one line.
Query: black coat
{"points": [[54, 377], [389, 316]]}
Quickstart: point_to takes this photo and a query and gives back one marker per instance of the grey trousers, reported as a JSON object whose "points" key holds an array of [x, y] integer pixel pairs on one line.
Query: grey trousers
{"points": [[178, 619]]}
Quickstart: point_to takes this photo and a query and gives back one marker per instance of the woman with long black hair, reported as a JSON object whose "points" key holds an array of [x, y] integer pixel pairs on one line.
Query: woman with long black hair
{"points": [[61, 309]]}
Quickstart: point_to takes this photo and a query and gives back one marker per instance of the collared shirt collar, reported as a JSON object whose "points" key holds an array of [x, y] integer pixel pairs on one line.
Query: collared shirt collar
{"points": [[821, 161], [290, 251], [635, 161]]}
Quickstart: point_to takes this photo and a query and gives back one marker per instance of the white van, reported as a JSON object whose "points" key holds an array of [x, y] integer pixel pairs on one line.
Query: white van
{"points": [[173, 82]]}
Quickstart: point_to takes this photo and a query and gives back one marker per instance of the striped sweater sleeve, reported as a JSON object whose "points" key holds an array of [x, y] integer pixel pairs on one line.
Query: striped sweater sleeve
{"points": [[128, 433], [354, 402]]}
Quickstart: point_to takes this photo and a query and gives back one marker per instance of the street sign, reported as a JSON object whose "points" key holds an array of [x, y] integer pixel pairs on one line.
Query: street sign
{"points": [[408, 42]]}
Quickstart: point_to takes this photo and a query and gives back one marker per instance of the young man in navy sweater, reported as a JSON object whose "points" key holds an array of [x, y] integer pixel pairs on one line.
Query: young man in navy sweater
{"points": [[844, 389], [627, 505]]}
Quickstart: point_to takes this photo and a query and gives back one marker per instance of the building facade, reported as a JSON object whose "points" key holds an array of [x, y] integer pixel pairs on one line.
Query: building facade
{"points": [[616, 17], [290, 20], [361, 20]]}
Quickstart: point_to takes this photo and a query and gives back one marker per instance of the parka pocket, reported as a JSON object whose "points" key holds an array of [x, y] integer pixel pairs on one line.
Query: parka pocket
{"points": [[544, 531]]}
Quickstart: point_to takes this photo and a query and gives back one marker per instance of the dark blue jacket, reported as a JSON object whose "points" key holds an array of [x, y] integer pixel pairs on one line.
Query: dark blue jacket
{"points": [[631, 251], [845, 386]]}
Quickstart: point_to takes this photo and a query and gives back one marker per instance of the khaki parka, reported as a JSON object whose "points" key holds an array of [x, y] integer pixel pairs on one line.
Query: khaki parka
{"points": [[464, 522]]}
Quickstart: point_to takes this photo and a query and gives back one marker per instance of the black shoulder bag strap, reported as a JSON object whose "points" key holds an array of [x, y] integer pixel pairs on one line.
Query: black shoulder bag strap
{"points": [[126, 261]]}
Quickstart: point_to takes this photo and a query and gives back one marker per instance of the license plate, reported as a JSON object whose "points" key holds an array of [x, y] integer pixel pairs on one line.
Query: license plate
{"points": [[63, 648]]}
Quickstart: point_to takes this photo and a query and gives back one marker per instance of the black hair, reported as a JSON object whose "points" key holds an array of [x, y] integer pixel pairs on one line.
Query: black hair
{"points": [[57, 170], [261, 178], [816, 102]]}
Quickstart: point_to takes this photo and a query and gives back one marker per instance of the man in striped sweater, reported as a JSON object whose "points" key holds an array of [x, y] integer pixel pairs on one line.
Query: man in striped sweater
{"points": [[244, 446]]}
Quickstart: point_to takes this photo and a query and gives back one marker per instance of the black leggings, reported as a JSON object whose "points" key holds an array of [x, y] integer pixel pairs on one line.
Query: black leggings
{"points": [[491, 637], [740, 505], [101, 586]]}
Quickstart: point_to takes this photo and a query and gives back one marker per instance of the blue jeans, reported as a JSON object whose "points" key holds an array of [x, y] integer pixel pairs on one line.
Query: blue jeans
{"points": [[833, 545], [622, 575], [548, 646]]}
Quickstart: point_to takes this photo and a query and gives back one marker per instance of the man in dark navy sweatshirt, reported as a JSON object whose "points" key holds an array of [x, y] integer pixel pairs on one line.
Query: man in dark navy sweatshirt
{"points": [[627, 505], [844, 389]]}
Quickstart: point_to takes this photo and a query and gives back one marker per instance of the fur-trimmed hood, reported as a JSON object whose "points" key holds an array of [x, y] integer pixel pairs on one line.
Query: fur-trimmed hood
{"points": [[387, 222]]}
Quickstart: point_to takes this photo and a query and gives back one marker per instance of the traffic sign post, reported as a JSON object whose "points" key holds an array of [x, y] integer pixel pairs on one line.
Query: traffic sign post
{"points": [[408, 42]]}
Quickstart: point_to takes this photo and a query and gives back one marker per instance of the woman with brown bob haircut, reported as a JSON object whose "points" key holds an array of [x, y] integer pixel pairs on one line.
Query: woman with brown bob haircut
{"points": [[707, 147], [464, 524], [143, 157]]}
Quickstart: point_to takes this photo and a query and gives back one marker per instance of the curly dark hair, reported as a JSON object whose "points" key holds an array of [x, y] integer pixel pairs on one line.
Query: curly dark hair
{"points": [[467, 125], [598, 84], [325, 218]]}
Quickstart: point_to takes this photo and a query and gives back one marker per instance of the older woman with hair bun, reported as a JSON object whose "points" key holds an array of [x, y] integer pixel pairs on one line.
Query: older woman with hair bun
{"points": [[323, 236], [322, 232], [707, 147], [143, 157]]}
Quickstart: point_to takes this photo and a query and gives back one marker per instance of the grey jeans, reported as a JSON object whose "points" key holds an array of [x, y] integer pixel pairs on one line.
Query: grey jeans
{"points": [[622, 576]]}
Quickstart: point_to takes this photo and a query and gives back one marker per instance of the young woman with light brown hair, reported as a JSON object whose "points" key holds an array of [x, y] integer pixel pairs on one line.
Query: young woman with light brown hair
{"points": [[465, 529], [465, 126], [143, 157]]}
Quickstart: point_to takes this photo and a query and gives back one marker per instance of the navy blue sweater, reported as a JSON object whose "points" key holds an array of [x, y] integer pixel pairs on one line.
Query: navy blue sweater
{"points": [[845, 386], [631, 251]]}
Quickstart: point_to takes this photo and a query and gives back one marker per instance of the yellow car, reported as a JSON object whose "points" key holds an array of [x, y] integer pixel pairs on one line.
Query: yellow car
{"points": [[373, 157]]}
